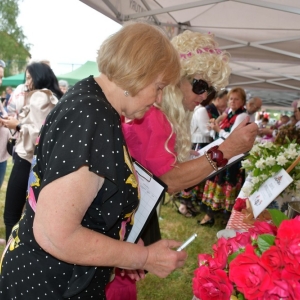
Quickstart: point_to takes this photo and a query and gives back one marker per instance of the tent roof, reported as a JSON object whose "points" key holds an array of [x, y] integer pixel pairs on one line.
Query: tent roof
{"points": [[14, 80], [262, 36], [87, 69]]}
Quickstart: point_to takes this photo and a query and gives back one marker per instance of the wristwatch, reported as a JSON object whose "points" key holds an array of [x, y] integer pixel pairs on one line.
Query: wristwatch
{"points": [[216, 156], [18, 127]]}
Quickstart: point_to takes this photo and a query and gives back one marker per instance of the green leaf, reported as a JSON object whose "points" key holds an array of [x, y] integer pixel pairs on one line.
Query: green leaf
{"points": [[265, 241], [234, 255], [256, 172], [276, 168], [241, 297], [277, 216]]}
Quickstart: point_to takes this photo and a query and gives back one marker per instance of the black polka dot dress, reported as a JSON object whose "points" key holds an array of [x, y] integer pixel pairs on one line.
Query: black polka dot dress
{"points": [[82, 129]]}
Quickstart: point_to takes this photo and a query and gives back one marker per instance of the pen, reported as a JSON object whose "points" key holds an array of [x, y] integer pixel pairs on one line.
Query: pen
{"points": [[187, 242]]}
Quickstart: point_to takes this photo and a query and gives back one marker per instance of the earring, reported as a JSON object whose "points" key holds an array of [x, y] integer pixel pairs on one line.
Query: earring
{"points": [[126, 93]]}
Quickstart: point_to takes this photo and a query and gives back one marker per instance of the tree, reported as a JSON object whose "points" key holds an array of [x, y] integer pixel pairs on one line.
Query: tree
{"points": [[13, 49]]}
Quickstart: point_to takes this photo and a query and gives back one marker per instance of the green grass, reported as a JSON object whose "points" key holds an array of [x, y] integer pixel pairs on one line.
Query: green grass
{"points": [[178, 285]]}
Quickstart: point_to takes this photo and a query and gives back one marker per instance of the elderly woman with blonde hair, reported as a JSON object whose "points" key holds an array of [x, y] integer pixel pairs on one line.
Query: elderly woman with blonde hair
{"points": [[161, 140], [82, 191]]}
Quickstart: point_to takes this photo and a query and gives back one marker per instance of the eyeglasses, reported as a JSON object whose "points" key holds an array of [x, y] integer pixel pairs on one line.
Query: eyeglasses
{"points": [[200, 86], [2, 63]]}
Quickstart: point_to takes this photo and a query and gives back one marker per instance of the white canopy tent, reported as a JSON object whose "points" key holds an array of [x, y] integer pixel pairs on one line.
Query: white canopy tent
{"points": [[262, 36]]}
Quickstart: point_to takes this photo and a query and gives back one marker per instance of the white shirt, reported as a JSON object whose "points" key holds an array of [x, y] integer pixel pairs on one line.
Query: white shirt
{"points": [[199, 131]]}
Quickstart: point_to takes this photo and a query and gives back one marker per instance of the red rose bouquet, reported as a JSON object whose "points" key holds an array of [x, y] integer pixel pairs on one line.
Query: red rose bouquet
{"points": [[260, 264]]}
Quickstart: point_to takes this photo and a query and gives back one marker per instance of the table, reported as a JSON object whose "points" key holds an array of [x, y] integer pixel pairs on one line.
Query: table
{"points": [[236, 221]]}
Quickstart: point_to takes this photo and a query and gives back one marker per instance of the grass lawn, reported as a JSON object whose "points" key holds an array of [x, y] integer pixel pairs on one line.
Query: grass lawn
{"points": [[178, 285]]}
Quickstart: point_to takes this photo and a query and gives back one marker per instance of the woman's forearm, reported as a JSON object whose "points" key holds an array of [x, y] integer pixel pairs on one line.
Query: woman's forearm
{"points": [[187, 174], [190, 173]]}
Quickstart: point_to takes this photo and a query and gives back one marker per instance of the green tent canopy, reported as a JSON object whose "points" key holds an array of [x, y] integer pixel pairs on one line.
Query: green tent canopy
{"points": [[87, 69], [14, 80]]}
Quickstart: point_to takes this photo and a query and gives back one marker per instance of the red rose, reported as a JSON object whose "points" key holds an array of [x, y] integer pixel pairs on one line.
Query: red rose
{"points": [[288, 240], [291, 272], [273, 258], [239, 241], [243, 238], [291, 258], [251, 276], [221, 252], [239, 204], [289, 229], [204, 259], [263, 227], [283, 289], [211, 284]]}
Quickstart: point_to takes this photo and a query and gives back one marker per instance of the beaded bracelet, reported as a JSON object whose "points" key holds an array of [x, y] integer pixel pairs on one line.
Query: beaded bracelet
{"points": [[212, 163]]}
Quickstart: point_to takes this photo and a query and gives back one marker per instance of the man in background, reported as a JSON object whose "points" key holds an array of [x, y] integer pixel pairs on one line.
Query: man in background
{"points": [[63, 85], [253, 106]]}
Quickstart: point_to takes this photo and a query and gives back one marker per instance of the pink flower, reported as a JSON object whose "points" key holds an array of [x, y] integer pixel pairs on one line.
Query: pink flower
{"points": [[250, 275], [211, 284]]}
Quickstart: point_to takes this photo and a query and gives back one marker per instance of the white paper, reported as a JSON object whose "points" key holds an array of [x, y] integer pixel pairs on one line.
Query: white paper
{"points": [[268, 191], [150, 191]]}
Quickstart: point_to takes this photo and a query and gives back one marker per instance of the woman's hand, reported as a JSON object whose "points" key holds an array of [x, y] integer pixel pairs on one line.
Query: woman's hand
{"points": [[240, 140], [162, 260], [136, 275], [265, 131], [194, 153], [10, 122], [215, 126]]}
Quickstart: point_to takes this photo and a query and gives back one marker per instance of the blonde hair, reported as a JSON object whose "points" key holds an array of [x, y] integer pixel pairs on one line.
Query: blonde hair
{"points": [[179, 119], [136, 55], [199, 54]]}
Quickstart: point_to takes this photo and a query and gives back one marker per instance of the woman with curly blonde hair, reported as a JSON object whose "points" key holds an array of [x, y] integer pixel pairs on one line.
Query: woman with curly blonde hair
{"points": [[161, 141]]}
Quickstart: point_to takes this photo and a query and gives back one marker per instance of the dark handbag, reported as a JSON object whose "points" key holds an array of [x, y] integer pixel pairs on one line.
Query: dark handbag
{"points": [[11, 144]]}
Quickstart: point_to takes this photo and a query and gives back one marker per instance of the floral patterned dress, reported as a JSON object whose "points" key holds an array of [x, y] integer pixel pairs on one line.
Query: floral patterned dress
{"points": [[221, 190]]}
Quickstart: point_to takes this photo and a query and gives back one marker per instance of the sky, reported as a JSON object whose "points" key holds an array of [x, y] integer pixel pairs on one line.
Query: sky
{"points": [[66, 32]]}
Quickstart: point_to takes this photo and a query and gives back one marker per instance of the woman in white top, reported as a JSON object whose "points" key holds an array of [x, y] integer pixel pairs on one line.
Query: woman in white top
{"points": [[43, 93]]}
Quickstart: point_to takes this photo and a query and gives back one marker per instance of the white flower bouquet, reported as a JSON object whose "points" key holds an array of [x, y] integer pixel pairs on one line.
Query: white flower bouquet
{"points": [[265, 160]]}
